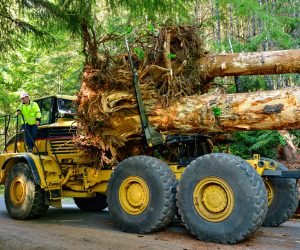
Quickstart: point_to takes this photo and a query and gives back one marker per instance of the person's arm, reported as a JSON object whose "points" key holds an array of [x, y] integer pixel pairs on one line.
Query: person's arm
{"points": [[38, 114], [18, 111]]}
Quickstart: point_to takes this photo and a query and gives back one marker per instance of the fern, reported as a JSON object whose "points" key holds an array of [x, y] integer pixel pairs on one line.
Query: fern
{"points": [[264, 143]]}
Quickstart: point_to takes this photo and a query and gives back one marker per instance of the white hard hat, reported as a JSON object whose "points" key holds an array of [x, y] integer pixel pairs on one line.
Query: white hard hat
{"points": [[23, 94]]}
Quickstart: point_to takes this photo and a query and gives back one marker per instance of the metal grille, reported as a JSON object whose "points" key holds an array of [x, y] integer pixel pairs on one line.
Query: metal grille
{"points": [[61, 140]]}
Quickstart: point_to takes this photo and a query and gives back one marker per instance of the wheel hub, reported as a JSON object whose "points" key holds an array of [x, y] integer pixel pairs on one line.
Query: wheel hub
{"points": [[17, 191], [134, 195], [270, 191], [213, 199]]}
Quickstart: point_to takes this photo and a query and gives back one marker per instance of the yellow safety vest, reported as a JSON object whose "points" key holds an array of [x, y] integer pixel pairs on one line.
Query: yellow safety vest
{"points": [[30, 113]]}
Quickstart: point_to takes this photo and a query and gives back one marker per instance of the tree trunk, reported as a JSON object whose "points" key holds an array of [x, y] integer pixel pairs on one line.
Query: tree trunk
{"points": [[290, 151], [263, 110], [218, 24], [256, 63]]}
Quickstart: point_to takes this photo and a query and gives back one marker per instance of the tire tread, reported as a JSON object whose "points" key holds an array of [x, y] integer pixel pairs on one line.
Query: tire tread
{"points": [[260, 200], [166, 177]]}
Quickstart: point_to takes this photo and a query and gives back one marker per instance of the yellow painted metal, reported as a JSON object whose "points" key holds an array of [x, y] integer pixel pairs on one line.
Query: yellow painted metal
{"points": [[103, 177], [213, 199], [17, 191], [260, 165], [52, 172], [134, 195], [97, 176], [270, 191], [100, 187], [177, 170], [20, 147], [14, 158], [70, 193], [254, 162], [92, 179], [64, 180], [68, 97]]}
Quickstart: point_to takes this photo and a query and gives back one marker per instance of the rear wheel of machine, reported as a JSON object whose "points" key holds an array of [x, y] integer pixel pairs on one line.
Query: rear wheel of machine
{"points": [[141, 195], [23, 198], [282, 198], [221, 198], [94, 204]]}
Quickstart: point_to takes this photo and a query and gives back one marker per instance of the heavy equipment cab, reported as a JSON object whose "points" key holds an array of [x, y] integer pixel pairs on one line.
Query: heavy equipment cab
{"points": [[56, 108], [58, 113]]}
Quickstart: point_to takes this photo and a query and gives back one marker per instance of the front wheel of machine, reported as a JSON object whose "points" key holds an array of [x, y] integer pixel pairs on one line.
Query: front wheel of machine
{"points": [[221, 198], [141, 195], [282, 198], [23, 198]]}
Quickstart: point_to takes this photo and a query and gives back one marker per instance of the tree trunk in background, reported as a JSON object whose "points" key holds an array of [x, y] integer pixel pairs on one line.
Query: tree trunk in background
{"points": [[253, 20], [237, 34], [290, 151], [230, 21], [256, 63], [212, 9], [198, 12], [218, 35]]}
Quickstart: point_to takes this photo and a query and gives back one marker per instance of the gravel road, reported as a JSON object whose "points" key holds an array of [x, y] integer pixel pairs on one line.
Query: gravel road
{"points": [[69, 228]]}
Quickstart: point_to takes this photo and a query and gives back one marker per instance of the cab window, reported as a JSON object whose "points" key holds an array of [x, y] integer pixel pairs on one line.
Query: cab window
{"points": [[46, 107]]}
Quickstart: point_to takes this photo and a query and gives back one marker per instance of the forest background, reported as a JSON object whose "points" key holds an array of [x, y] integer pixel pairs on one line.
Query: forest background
{"points": [[41, 44]]}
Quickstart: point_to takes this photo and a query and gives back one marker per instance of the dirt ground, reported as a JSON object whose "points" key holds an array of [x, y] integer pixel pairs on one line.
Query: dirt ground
{"points": [[69, 228]]}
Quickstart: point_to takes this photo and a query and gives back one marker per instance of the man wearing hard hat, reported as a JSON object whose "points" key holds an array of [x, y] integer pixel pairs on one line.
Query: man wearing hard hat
{"points": [[31, 118]]}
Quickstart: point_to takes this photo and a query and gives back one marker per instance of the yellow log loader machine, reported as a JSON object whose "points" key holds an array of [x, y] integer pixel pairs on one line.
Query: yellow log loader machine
{"points": [[219, 197]]}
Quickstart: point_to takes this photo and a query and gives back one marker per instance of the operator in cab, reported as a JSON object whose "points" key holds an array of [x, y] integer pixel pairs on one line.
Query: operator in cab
{"points": [[30, 120]]}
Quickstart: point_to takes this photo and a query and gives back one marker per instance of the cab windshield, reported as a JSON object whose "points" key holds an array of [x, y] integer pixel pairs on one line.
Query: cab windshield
{"points": [[66, 106]]}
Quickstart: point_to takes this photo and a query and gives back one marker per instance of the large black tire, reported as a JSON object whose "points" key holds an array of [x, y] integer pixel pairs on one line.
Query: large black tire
{"points": [[94, 204], [221, 198], [283, 199], [141, 194], [23, 198]]}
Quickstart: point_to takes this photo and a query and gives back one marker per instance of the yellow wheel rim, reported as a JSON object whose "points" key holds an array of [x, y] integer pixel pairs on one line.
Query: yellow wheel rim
{"points": [[270, 191], [134, 195], [17, 191], [213, 199]]}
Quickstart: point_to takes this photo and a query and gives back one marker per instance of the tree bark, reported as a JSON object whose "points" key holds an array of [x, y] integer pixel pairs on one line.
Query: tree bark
{"points": [[290, 151], [257, 63], [263, 110]]}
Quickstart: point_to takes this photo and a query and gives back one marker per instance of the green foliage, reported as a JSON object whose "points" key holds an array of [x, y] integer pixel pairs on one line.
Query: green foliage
{"points": [[217, 111], [171, 56], [281, 140], [151, 28], [264, 143], [140, 53], [40, 72], [154, 9], [13, 29], [274, 23]]}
